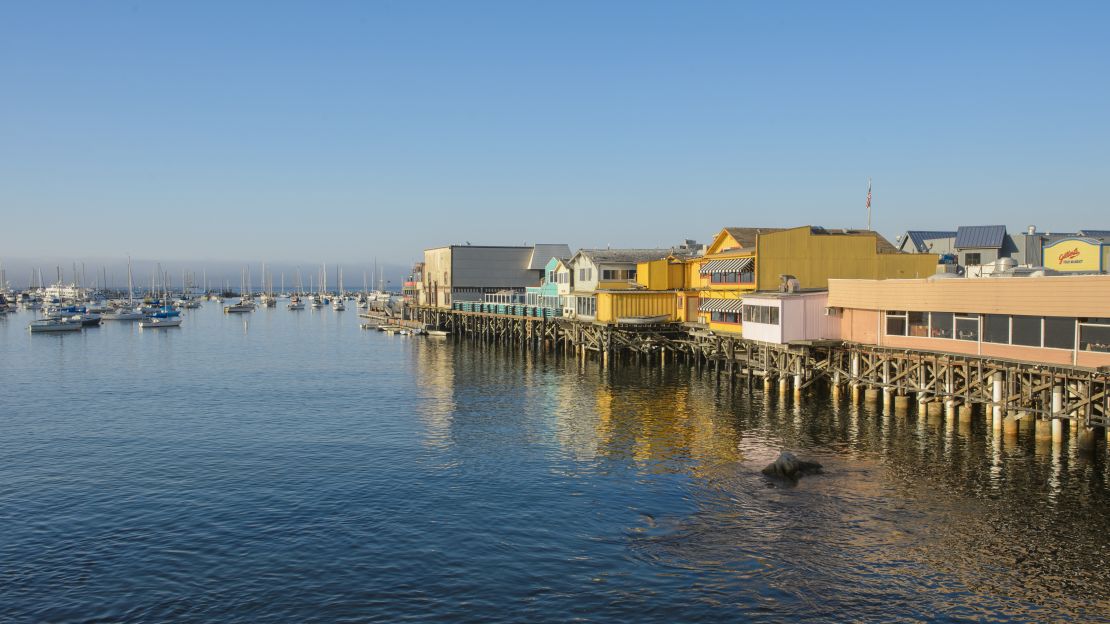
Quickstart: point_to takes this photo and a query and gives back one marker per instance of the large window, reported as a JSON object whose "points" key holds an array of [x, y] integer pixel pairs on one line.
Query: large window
{"points": [[618, 274], [996, 328], [972, 259], [940, 324], [724, 278], [967, 327], [1094, 334], [895, 323], [1025, 331], [919, 324], [768, 315], [586, 306], [1059, 333]]}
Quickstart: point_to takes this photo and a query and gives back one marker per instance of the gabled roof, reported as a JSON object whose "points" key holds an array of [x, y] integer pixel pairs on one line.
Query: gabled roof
{"points": [[980, 236], [542, 253], [747, 236], [919, 237], [624, 255]]}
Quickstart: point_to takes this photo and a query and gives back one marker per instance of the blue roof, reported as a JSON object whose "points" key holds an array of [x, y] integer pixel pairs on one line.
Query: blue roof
{"points": [[1095, 233], [980, 236], [918, 237]]}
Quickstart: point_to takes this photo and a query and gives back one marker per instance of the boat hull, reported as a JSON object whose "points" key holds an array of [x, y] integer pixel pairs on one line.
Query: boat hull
{"points": [[47, 328], [159, 323]]}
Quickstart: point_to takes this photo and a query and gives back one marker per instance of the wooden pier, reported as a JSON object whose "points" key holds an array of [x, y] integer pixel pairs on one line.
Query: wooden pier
{"points": [[1054, 400]]}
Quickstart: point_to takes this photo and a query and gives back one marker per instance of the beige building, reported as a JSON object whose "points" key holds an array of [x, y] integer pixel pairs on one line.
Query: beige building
{"points": [[1056, 319]]}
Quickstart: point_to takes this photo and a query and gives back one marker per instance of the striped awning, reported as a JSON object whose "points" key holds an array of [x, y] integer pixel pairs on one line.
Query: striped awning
{"points": [[731, 265], [721, 305]]}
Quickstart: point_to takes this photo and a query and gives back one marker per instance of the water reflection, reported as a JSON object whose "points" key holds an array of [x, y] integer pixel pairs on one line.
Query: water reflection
{"points": [[986, 522]]}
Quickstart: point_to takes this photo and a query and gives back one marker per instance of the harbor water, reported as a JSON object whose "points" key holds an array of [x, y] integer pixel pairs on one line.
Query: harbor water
{"points": [[287, 466]]}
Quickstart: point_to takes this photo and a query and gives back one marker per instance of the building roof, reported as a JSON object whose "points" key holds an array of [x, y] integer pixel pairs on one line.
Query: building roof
{"points": [[542, 253], [624, 255], [882, 245], [747, 236], [980, 236], [1095, 233], [919, 237]]}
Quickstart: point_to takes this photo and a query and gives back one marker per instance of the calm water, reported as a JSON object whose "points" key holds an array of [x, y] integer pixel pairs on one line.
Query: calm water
{"points": [[289, 467]]}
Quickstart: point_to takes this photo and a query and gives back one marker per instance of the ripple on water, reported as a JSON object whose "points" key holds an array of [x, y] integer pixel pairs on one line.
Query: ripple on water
{"points": [[290, 467]]}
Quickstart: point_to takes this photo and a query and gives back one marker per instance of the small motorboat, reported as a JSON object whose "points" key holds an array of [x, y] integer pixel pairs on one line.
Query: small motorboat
{"points": [[438, 333]]}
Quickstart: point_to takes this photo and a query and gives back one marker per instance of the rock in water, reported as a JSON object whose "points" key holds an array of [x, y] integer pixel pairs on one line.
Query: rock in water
{"points": [[790, 467]]}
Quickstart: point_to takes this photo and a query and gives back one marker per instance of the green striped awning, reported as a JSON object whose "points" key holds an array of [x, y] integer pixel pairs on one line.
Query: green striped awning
{"points": [[731, 265]]}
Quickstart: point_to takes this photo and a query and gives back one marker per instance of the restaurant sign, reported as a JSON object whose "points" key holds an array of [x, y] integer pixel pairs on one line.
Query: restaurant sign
{"points": [[1073, 254]]}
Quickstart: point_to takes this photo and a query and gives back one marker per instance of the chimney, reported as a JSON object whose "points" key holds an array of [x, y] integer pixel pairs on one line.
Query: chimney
{"points": [[1032, 230]]}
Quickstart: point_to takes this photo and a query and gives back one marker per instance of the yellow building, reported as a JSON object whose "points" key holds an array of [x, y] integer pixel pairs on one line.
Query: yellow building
{"points": [[743, 260]]}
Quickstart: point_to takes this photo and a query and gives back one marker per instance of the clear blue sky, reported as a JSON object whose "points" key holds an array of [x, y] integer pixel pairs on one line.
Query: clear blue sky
{"points": [[342, 131]]}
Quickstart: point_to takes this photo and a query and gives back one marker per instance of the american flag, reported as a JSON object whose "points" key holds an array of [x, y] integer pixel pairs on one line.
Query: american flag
{"points": [[869, 193]]}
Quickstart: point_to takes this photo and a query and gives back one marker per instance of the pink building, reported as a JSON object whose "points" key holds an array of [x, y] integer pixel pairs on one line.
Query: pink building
{"points": [[1056, 320]]}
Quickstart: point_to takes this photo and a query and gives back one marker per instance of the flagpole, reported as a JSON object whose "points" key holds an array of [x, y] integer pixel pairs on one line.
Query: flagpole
{"points": [[868, 204]]}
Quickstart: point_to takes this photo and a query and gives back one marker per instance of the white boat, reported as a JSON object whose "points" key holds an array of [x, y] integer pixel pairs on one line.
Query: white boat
{"points": [[55, 325], [128, 312], [246, 303], [439, 333], [160, 323], [295, 303], [122, 315]]}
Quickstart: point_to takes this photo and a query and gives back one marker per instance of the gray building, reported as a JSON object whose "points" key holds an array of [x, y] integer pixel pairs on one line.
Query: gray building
{"points": [[982, 245], [469, 272]]}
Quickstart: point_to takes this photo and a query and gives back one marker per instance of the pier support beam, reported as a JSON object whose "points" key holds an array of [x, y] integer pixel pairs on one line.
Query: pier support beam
{"points": [[887, 395], [901, 404], [997, 413], [1057, 414]]}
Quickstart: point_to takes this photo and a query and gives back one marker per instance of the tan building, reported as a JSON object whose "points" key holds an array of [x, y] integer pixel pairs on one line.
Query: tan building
{"points": [[1056, 320]]}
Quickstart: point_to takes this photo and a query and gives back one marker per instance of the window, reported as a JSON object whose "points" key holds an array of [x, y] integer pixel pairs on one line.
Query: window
{"points": [[895, 323], [725, 317], [747, 277], [996, 328], [940, 324], [973, 259], [618, 274], [585, 274], [919, 324], [724, 278], [1059, 332], [586, 306], [1026, 331], [1094, 335], [767, 315], [967, 327]]}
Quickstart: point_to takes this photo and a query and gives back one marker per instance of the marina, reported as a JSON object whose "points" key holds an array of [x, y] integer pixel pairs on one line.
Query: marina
{"points": [[381, 455], [502, 312]]}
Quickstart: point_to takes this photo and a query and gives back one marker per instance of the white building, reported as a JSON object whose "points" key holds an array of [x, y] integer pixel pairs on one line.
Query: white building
{"points": [[603, 269], [783, 317]]}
